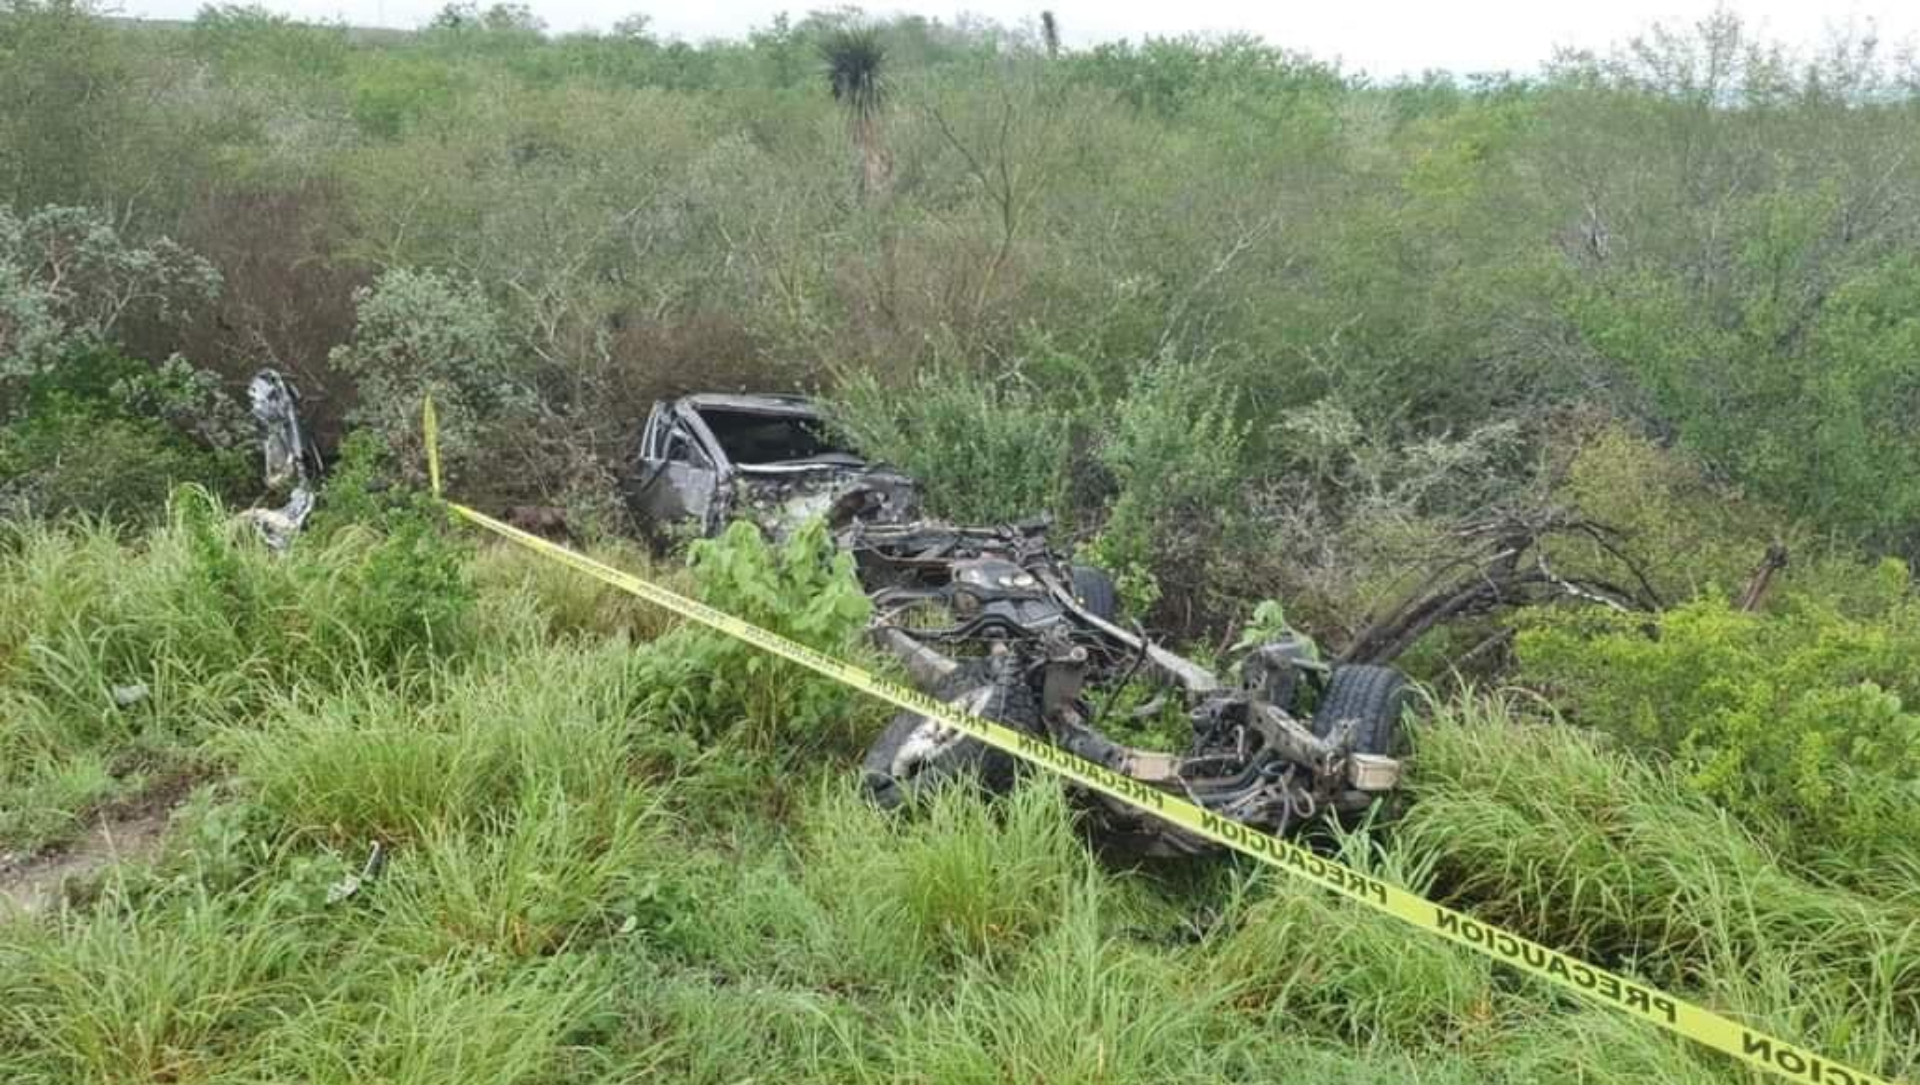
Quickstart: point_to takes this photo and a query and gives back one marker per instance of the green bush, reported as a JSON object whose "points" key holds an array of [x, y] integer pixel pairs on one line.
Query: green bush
{"points": [[413, 593], [1174, 449], [804, 589], [100, 434], [985, 451], [421, 333], [1799, 719], [69, 279], [1658, 504]]}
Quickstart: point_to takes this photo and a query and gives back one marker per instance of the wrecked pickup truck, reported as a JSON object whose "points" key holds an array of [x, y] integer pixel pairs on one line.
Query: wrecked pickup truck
{"points": [[705, 460], [994, 620]]}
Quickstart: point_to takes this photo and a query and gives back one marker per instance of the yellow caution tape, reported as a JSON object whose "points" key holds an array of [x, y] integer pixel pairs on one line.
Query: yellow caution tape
{"points": [[1589, 981], [430, 430]]}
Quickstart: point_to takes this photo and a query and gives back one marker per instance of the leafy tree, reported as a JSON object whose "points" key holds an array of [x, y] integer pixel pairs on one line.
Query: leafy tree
{"points": [[66, 101], [422, 333], [248, 41], [69, 277]]}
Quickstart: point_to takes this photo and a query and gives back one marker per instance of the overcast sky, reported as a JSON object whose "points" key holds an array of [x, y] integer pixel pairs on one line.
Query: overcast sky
{"points": [[1381, 37]]}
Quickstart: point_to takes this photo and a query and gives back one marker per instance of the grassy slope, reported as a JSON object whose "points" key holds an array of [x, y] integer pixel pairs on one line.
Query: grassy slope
{"points": [[578, 890]]}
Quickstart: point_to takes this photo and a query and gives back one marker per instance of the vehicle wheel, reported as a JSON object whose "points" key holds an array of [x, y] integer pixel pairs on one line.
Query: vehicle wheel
{"points": [[1375, 698], [916, 756], [1095, 590]]}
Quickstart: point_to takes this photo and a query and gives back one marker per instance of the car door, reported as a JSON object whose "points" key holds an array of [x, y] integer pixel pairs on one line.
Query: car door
{"points": [[676, 478]]}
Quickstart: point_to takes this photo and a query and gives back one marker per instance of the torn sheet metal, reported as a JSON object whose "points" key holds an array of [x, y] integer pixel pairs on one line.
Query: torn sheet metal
{"points": [[291, 465]]}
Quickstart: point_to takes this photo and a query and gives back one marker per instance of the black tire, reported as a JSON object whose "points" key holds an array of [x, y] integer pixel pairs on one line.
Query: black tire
{"points": [[1374, 698], [891, 782], [1095, 590]]}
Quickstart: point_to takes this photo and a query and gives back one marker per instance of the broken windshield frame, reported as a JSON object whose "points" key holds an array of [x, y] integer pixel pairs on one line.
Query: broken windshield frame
{"points": [[755, 438]]}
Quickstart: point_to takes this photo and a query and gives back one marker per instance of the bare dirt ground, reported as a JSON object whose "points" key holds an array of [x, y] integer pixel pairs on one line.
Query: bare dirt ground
{"points": [[126, 831]]}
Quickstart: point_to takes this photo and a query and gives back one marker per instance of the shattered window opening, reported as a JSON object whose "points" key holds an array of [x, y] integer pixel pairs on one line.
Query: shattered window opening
{"points": [[748, 437], [681, 449]]}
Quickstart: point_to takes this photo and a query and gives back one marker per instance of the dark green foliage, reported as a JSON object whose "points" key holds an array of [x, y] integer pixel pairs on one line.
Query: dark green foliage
{"points": [[1171, 76], [251, 42], [65, 99], [855, 61], [95, 434], [361, 488], [1174, 449], [801, 588], [1798, 719], [413, 594], [389, 93], [984, 452]]}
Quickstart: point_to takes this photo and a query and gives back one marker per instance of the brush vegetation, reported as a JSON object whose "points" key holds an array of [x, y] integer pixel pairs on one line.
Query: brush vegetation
{"points": [[600, 865], [1275, 342]]}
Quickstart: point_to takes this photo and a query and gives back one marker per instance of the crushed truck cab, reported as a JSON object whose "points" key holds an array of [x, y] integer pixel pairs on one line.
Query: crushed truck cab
{"points": [[704, 460]]}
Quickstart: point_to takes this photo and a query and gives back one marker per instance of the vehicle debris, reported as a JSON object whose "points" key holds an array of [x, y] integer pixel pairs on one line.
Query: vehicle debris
{"points": [[995, 621], [992, 619], [353, 883], [705, 460], [291, 463]]}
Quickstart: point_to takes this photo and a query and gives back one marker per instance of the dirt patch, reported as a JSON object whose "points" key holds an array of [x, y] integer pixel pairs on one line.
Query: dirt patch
{"points": [[128, 830]]}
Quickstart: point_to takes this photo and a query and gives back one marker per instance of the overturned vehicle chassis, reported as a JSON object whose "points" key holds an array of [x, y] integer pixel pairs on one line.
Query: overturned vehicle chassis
{"points": [[994, 622]]}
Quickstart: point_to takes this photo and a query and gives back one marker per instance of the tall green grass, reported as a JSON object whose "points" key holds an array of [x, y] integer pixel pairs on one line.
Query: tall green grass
{"points": [[170, 988], [1544, 829], [580, 884], [118, 656]]}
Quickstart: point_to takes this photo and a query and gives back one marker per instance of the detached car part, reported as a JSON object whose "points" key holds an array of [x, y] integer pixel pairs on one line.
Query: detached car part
{"points": [[291, 463]]}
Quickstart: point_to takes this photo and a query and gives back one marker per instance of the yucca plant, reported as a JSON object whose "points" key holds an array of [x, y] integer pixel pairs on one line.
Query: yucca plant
{"points": [[855, 66]]}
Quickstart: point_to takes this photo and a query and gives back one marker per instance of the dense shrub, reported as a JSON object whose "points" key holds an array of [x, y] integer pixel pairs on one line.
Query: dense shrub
{"points": [[1798, 719], [69, 278], [1174, 448], [102, 434], [423, 333], [985, 451], [802, 588]]}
